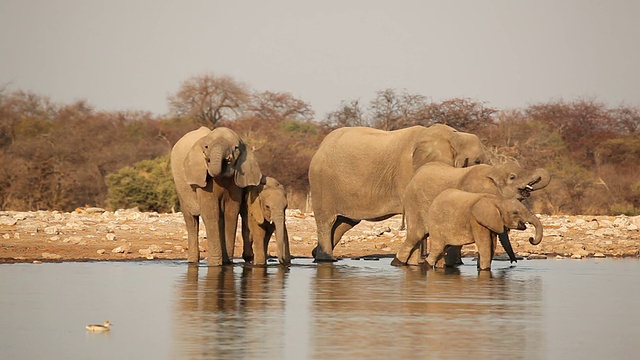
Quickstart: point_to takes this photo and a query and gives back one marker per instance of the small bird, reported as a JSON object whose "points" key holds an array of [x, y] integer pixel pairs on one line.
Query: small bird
{"points": [[98, 327]]}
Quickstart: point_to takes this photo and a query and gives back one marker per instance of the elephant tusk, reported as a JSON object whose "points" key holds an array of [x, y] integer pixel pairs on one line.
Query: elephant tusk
{"points": [[528, 187]]}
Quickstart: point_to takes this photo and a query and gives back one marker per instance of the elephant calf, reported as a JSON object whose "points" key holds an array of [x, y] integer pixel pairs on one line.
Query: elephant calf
{"points": [[263, 213], [459, 218]]}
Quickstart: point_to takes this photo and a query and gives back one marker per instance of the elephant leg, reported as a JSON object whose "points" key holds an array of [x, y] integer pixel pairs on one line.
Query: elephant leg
{"points": [[193, 226], [215, 228], [410, 249], [260, 244], [324, 250], [247, 242], [418, 253], [283, 249], [485, 252], [231, 211], [437, 250]]}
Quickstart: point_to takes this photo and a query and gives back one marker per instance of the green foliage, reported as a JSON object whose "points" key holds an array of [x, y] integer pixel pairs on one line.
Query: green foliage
{"points": [[293, 126], [147, 185]]}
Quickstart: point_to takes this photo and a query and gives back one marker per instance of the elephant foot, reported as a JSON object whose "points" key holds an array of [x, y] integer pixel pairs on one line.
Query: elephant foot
{"points": [[325, 260], [314, 252], [397, 262]]}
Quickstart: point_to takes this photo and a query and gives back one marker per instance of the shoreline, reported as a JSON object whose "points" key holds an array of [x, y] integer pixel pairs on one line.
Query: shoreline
{"points": [[94, 234]]}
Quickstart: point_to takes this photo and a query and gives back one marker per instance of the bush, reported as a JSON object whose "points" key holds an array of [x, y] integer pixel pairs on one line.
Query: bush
{"points": [[147, 185]]}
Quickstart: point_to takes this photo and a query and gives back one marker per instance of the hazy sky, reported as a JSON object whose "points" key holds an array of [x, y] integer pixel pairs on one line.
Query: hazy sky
{"points": [[130, 54]]}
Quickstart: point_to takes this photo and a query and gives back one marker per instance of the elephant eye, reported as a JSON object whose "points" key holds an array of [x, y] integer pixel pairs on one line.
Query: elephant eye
{"points": [[512, 176]]}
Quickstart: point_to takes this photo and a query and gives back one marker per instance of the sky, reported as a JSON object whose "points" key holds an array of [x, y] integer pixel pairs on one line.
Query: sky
{"points": [[133, 54]]}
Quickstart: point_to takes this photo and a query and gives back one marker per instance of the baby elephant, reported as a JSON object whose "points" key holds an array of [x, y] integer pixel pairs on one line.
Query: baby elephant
{"points": [[263, 213], [459, 218]]}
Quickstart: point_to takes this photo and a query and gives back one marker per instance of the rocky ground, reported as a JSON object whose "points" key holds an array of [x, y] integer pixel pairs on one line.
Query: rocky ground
{"points": [[93, 234]]}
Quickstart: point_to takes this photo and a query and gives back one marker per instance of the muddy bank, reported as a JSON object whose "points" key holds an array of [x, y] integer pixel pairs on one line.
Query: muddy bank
{"points": [[93, 234]]}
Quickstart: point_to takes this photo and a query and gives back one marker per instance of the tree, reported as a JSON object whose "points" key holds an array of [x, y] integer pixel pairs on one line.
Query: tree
{"points": [[208, 99], [460, 113], [583, 124], [275, 107], [147, 184], [350, 113], [392, 111], [627, 119]]}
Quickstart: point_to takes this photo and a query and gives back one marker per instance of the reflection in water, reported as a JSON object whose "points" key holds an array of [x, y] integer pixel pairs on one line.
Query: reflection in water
{"points": [[351, 312], [220, 316], [549, 309], [424, 312]]}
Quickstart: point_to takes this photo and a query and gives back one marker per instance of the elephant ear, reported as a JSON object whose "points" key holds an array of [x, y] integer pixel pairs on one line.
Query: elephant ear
{"points": [[195, 167], [486, 213], [254, 205], [247, 170]]}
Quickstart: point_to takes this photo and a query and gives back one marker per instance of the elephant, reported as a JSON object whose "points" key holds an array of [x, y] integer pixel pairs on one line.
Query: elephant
{"points": [[263, 213], [360, 173], [210, 168], [459, 218], [508, 180]]}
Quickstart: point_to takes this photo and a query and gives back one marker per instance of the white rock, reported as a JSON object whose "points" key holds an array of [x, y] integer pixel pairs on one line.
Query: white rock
{"points": [[6, 236], [5, 220], [101, 251], [122, 249], [599, 255], [111, 236], [296, 238], [576, 256], [155, 249], [632, 227], [51, 230]]}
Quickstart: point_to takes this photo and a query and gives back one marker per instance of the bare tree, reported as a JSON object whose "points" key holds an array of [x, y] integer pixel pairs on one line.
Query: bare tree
{"points": [[385, 110], [275, 107], [209, 99], [350, 113]]}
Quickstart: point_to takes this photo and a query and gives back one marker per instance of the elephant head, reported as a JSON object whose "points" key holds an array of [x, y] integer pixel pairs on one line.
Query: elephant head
{"points": [[221, 153], [467, 150], [268, 204], [496, 215], [516, 182], [445, 144]]}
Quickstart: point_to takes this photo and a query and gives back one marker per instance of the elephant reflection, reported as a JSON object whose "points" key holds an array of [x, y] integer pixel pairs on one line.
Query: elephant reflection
{"points": [[367, 310], [222, 313]]}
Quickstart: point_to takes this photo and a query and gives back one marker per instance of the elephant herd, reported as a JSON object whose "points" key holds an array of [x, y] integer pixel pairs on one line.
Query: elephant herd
{"points": [[437, 177]]}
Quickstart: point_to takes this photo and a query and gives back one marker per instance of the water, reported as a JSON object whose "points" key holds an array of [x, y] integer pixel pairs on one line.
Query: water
{"points": [[353, 309]]}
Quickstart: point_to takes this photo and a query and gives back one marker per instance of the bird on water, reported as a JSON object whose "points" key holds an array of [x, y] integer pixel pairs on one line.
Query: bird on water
{"points": [[99, 327]]}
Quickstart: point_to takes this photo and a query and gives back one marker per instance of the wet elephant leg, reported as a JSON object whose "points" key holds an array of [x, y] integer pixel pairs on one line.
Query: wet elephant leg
{"points": [[437, 250], [231, 211], [324, 250], [193, 226]]}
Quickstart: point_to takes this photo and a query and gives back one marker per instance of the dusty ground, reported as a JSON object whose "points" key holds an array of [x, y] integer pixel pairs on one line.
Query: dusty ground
{"points": [[94, 234]]}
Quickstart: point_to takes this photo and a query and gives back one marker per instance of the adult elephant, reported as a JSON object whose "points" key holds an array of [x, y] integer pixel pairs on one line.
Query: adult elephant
{"points": [[210, 168], [360, 173], [508, 180]]}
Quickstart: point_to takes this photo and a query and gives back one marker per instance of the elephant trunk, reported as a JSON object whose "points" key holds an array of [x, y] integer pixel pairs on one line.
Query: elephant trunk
{"points": [[538, 180], [282, 241], [214, 161], [533, 220], [506, 244]]}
